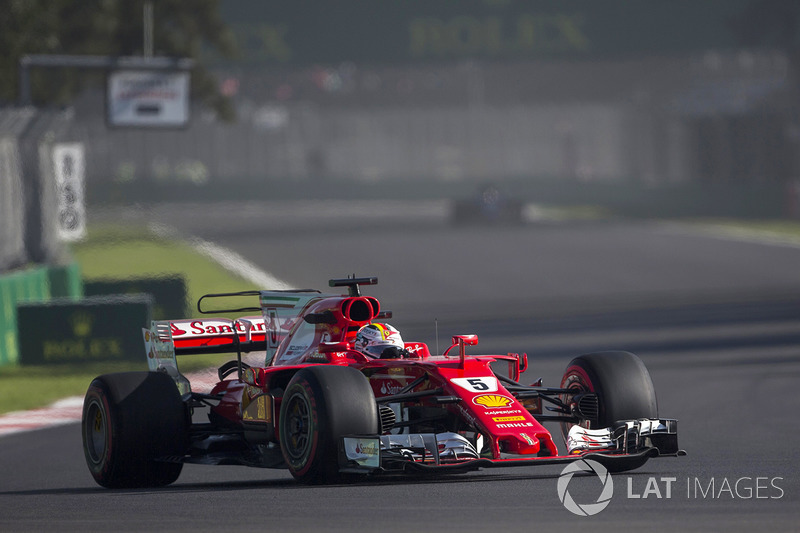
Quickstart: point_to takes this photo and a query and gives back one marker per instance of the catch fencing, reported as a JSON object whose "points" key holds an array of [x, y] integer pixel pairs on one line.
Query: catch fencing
{"points": [[302, 141], [28, 195], [34, 264]]}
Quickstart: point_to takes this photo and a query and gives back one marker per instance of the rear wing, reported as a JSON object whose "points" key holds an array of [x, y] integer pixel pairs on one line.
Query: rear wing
{"points": [[280, 311], [161, 355], [216, 335], [166, 339]]}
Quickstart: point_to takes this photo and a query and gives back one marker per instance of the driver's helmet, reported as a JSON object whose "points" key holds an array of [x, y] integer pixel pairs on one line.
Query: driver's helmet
{"points": [[374, 339]]}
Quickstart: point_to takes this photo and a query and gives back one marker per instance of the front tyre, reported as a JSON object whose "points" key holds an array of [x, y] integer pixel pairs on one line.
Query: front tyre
{"points": [[131, 421], [321, 404], [621, 382]]}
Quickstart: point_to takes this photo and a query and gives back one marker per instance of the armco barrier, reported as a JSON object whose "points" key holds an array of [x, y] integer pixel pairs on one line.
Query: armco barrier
{"points": [[169, 293], [38, 284], [101, 328]]}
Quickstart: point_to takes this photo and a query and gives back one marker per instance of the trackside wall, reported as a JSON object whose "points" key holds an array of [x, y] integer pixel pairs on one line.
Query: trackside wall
{"points": [[36, 284]]}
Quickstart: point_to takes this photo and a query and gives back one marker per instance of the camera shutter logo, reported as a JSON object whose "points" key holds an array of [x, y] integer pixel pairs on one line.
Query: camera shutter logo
{"points": [[586, 509]]}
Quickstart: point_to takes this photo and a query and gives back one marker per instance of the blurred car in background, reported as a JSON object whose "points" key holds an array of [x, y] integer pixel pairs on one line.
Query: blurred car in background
{"points": [[489, 206]]}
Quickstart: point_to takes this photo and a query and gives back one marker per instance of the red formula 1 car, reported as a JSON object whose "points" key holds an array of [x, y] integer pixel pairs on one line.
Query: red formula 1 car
{"points": [[327, 411]]}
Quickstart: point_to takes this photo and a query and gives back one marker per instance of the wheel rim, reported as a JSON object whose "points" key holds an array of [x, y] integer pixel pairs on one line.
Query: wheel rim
{"points": [[298, 427], [577, 381], [96, 432]]}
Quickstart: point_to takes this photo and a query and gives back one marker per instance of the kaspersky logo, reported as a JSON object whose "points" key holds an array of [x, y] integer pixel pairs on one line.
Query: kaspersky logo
{"points": [[591, 467]]}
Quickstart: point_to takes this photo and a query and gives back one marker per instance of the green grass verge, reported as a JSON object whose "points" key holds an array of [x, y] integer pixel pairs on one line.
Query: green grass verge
{"points": [[118, 252], [122, 252], [767, 228]]}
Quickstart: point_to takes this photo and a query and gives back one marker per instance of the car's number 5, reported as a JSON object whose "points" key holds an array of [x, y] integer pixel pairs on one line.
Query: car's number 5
{"points": [[478, 384], [481, 384]]}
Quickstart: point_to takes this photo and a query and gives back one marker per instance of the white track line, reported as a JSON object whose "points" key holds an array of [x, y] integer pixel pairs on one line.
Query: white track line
{"points": [[227, 259]]}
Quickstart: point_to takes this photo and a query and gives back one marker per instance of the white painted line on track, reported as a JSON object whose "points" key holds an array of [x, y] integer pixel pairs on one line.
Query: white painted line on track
{"points": [[238, 265], [227, 259]]}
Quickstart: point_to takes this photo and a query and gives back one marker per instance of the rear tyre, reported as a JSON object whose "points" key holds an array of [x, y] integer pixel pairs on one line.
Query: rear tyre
{"points": [[621, 382], [131, 422], [320, 405]]}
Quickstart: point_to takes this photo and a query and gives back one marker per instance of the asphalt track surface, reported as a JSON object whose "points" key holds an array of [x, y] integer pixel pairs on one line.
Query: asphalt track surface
{"points": [[716, 320]]}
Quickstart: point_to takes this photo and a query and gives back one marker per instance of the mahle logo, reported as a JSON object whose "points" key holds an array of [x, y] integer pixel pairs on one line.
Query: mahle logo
{"points": [[585, 509]]}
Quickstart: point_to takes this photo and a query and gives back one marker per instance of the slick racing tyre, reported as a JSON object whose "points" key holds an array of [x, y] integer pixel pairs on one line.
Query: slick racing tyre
{"points": [[320, 405], [621, 382], [131, 422]]}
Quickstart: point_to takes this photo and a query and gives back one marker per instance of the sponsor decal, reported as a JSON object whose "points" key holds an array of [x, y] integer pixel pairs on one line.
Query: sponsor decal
{"points": [[83, 345], [203, 328], [315, 356], [508, 418], [161, 353], [364, 451], [413, 348], [84, 348], [367, 447], [390, 387], [493, 401], [504, 412], [513, 425]]}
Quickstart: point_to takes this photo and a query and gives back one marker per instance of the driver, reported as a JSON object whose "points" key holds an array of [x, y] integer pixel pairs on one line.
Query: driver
{"points": [[380, 340]]}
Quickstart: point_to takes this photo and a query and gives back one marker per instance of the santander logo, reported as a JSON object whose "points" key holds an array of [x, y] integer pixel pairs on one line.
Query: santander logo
{"points": [[212, 328]]}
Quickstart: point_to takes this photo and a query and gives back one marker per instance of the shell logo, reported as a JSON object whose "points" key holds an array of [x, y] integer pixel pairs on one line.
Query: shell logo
{"points": [[492, 400]]}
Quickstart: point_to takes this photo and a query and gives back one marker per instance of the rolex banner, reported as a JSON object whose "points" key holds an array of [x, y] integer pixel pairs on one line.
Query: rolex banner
{"points": [[94, 329]]}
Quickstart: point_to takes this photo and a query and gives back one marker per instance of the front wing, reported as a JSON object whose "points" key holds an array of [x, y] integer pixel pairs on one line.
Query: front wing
{"points": [[631, 444]]}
